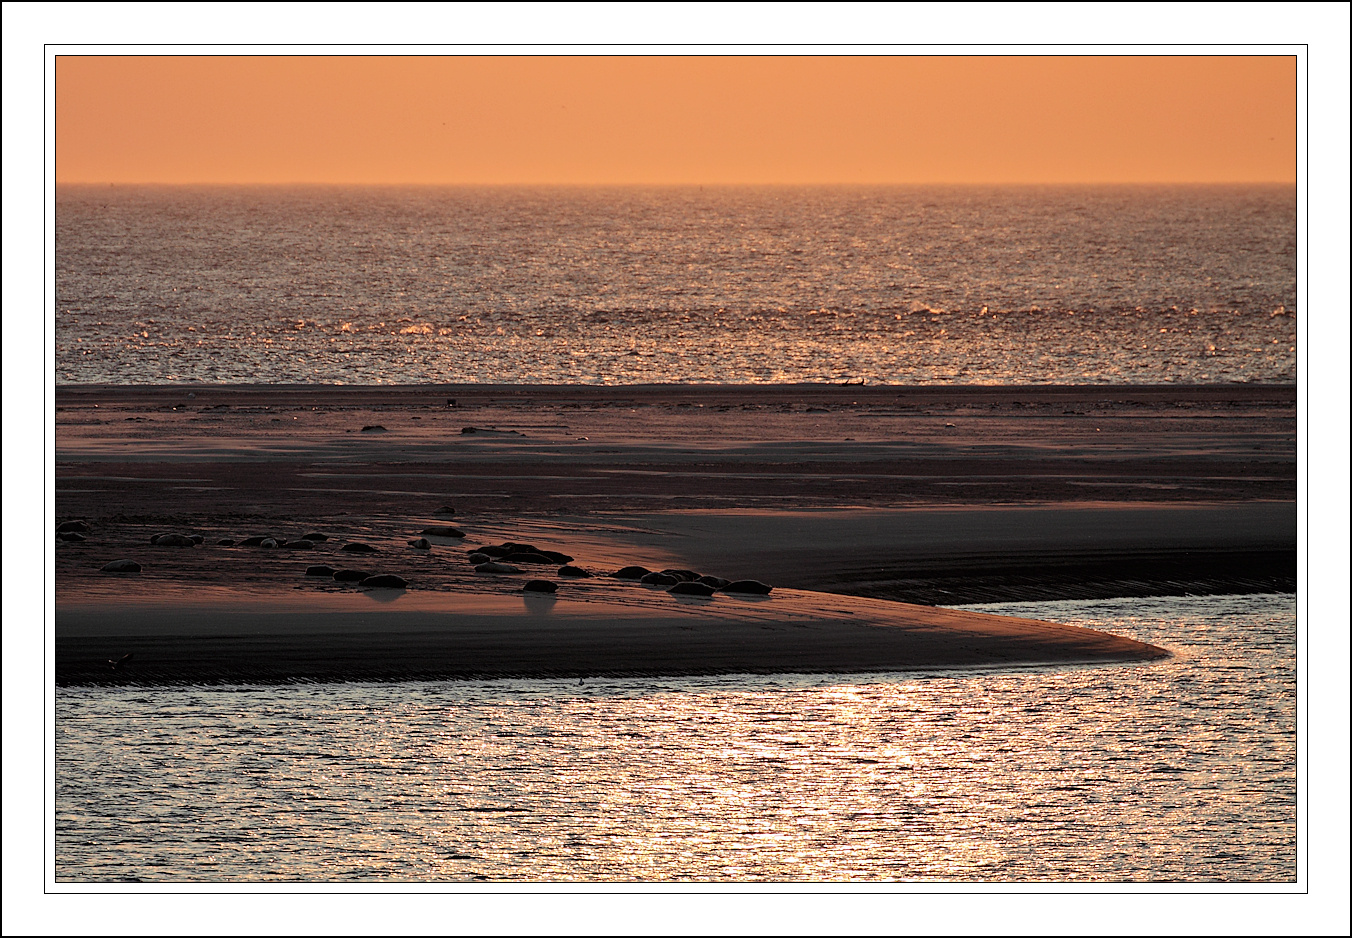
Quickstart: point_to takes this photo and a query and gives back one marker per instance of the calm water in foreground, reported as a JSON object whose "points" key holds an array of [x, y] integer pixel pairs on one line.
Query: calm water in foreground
{"points": [[932, 285], [1177, 771]]}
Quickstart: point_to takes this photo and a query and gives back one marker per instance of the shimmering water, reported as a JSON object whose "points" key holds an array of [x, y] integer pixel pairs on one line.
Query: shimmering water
{"points": [[1178, 771], [895, 285]]}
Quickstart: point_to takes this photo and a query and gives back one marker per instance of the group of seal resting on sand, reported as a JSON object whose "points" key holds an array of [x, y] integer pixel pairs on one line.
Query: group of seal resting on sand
{"points": [[492, 559], [500, 559]]}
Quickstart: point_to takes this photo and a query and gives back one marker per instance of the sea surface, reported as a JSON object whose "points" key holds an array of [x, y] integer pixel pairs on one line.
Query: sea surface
{"points": [[968, 285], [1177, 771]]}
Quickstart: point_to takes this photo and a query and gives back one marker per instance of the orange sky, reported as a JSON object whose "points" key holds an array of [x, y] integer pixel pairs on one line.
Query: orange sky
{"points": [[626, 119]]}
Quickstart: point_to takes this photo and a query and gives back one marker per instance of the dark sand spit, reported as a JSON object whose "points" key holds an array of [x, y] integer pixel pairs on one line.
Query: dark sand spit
{"points": [[222, 637], [930, 495]]}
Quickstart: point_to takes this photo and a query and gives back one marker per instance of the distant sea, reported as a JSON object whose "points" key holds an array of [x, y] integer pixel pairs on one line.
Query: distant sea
{"points": [[1022, 285]]}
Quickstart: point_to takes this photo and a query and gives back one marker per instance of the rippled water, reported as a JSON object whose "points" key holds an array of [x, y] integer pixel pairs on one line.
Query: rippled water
{"points": [[1178, 771], [895, 285]]}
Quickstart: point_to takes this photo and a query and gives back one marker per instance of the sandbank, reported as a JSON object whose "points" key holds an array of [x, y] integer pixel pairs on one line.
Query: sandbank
{"points": [[933, 496]]}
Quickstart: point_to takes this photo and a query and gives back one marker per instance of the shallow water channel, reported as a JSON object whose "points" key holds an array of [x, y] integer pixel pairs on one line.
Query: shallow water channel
{"points": [[1182, 770]]}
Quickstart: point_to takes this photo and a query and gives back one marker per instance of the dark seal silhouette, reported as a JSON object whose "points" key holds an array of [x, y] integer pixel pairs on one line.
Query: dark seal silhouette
{"points": [[72, 536], [717, 582], [320, 569], [444, 510], [692, 588], [373, 428], [174, 540], [420, 543], [684, 575], [631, 573], [442, 530], [122, 566], [350, 576], [384, 581], [225, 542], [79, 527], [314, 536], [523, 557], [357, 547], [747, 586], [539, 586], [573, 572], [493, 430], [659, 579]]}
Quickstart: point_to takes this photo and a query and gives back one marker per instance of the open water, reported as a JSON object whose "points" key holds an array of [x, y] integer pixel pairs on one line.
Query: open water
{"points": [[1177, 771], [1023, 285]]}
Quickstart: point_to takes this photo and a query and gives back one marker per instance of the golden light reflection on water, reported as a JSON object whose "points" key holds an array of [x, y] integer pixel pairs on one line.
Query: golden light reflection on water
{"points": [[1178, 771], [1186, 284]]}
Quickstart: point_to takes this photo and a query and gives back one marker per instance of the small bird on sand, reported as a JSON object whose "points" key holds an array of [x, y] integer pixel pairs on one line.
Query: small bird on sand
{"points": [[117, 665]]}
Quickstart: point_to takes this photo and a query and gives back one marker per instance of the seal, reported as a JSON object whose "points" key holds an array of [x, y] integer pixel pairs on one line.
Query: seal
{"points": [[174, 540], [692, 588], [523, 557], [384, 581], [659, 579], [630, 573], [442, 530]]}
